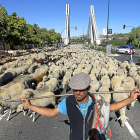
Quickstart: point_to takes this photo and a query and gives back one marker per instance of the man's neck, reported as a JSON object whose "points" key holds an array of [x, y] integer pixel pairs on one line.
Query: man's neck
{"points": [[85, 100]]}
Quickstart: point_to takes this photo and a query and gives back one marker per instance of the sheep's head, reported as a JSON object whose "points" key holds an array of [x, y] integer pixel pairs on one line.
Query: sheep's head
{"points": [[27, 93], [32, 84], [20, 108]]}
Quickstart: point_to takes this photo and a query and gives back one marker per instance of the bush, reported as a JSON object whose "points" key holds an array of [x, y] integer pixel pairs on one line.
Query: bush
{"points": [[86, 45], [92, 46], [113, 51], [100, 48]]}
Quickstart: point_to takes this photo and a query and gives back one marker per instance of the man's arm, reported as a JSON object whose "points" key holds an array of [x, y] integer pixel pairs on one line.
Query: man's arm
{"points": [[121, 104], [43, 111]]}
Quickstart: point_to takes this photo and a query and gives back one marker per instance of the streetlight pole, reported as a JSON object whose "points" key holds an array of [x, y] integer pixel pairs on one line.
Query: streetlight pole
{"points": [[64, 29], [83, 34], [107, 23]]}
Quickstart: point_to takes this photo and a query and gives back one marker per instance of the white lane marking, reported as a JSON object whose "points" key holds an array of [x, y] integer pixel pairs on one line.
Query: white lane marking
{"points": [[5, 112], [131, 130]]}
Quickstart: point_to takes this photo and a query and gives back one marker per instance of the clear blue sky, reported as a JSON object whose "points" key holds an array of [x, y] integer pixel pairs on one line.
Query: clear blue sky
{"points": [[51, 14]]}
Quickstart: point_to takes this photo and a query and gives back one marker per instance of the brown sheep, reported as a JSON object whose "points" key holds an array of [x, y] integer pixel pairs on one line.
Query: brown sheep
{"points": [[34, 81], [38, 60]]}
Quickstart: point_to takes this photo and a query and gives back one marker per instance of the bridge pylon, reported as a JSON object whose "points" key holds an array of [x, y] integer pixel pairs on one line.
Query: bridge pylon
{"points": [[67, 26], [93, 28]]}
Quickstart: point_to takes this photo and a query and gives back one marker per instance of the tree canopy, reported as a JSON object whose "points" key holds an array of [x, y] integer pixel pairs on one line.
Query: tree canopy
{"points": [[15, 30]]}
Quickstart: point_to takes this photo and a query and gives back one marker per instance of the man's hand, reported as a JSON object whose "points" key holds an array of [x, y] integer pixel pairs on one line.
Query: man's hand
{"points": [[134, 94], [25, 102]]}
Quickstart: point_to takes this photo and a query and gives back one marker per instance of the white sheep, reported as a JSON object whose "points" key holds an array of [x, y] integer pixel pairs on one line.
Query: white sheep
{"points": [[116, 82], [107, 97], [103, 72], [53, 75], [105, 81], [66, 80], [131, 81], [95, 85], [18, 79], [92, 77], [14, 94], [128, 86], [119, 97], [43, 102], [95, 72]]}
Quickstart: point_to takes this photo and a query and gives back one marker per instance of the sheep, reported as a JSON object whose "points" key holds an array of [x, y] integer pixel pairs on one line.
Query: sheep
{"points": [[21, 63], [58, 70], [15, 94], [132, 71], [92, 77], [53, 82], [41, 103], [119, 97], [52, 68], [22, 69], [122, 72], [32, 68], [29, 61], [6, 77], [95, 85], [11, 90], [26, 93], [128, 86], [138, 83], [18, 79], [131, 81], [38, 61], [37, 73], [111, 72], [42, 69], [107, 97], [66, 80], [32, 83], [136, 78], [105, 81], [53, 75], [74, 66], [103, 72], [95, 72], [85, 71], [116, 82], [77, 71]]}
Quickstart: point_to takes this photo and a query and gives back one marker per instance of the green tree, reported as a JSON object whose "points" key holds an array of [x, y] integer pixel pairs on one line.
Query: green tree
{"points": [[16, 30], [52, 37], [3, 24]]}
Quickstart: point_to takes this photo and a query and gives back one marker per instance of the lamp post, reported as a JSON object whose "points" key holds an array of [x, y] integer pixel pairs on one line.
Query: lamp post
{"points": [[107, 23], [64, 29], [83, 34], [136, 30]]}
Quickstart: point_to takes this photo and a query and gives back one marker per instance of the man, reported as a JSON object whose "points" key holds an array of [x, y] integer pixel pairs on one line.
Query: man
{"points": [[131, 53], [80, 107]]}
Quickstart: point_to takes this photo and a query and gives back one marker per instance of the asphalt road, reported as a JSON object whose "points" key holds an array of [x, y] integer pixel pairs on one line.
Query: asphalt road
{"points": [[21, 127]]}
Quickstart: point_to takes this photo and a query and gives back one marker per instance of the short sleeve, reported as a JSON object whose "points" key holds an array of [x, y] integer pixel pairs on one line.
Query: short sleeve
{"points": [[62, 106]]}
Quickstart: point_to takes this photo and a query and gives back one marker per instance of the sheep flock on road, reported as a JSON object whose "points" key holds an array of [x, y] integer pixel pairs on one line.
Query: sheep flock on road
{"points": [[40, 72]]}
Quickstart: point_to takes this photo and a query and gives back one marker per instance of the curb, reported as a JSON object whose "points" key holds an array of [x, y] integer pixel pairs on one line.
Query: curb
{"points": [[112, 55]]}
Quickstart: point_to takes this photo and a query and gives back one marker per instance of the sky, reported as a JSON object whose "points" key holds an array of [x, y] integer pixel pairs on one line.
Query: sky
{"points": [[51, 14]]}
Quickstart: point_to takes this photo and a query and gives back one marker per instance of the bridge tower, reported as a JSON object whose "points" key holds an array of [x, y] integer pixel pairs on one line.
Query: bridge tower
{"points": [[93, 28], [67, 26]]}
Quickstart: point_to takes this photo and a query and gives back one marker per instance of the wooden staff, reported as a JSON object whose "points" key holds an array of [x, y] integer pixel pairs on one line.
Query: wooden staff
{"points": [[50, 96], [99, 92]]}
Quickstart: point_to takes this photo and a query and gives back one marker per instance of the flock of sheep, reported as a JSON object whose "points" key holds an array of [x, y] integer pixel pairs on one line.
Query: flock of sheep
{"points": [[43, 72]]}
